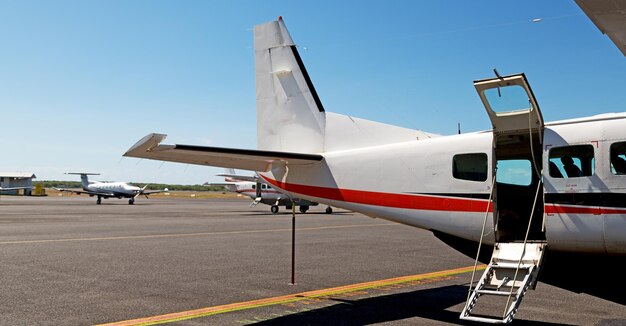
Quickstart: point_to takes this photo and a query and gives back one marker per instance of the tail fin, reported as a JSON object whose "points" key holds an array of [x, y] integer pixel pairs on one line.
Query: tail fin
{"points": [[290, 115], [84, 177], [228, 177]]}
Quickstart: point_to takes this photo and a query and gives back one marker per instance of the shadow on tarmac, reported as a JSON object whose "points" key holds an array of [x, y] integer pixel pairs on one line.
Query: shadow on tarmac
{"points": [[429, 304], [288, 213]]}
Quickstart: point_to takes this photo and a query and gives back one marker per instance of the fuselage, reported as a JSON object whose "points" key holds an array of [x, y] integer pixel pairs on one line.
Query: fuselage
{"points": [[117, 189], [249, 189], [423, 183]]}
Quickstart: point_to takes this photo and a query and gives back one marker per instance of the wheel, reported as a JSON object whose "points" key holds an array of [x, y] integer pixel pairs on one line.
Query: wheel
{"points": [[329, 210], [99, 200], [131, 201], [274, 209], [303, 209]]}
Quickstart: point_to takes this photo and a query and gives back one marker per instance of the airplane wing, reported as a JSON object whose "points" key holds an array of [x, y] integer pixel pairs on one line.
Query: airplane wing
{"points": [[148, 192], [609, 17], [150, 147], [239, 177], [14, 188], [222, 184], [91, 193]]}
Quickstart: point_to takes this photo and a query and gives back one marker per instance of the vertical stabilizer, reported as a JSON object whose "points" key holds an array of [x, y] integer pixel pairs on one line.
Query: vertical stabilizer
{"points": [[84, 178], [290, 115]]}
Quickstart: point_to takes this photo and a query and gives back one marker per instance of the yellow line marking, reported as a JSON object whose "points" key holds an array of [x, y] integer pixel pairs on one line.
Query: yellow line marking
{"points": [[176, 235], [203, 312]]}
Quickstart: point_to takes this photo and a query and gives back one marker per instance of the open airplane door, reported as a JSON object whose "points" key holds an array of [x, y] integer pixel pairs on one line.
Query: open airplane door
{"points": [[517, 200], [510, 104], [517, 154]]}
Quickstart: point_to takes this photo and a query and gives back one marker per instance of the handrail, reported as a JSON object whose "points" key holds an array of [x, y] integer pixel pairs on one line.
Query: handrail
{"points": [[480, 242]]}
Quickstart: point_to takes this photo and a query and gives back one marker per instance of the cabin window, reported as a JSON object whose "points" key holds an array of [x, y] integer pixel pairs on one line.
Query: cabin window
{"points": [[514, 172], [618, 158], [472, 167], [571, 161], [263, 186], [253, 186]]}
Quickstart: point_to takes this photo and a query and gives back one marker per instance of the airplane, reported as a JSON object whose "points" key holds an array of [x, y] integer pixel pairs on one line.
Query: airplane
{"points": [[261, 192], [567, 222], [108, 190]]}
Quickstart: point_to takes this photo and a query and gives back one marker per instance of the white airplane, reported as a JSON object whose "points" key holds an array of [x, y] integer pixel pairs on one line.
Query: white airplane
{"points": [[109, 189], [466, 189], [261, 192]]}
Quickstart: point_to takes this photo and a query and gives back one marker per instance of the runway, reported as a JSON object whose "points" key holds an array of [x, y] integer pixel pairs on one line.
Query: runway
{"points": [[67, 261]]}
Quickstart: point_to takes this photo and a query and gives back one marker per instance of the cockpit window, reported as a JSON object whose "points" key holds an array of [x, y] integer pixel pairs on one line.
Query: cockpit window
{"points": [[472, 167], [618, 158], [571, 161]]}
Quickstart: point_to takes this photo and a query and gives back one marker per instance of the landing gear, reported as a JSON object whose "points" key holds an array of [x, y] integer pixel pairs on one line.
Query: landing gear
{"points": [[329, 210], [303, 209], [99, 200], [274, 209], [131, 201]]}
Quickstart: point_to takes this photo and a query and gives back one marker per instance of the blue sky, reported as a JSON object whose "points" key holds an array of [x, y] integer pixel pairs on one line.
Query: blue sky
{"points": [[82, 81]]}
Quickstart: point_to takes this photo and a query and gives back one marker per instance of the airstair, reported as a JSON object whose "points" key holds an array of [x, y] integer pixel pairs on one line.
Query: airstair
{"points": [[256, 201], [512, 271], [518, 129], [259, 194]]}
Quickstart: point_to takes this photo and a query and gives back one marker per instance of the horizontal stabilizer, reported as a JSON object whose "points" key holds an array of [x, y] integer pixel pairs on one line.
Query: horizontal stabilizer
{"points": [[150, 147]]}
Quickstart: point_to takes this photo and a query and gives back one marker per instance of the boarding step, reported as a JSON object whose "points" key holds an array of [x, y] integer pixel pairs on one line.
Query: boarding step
{"points": [[513, 270], [256, 201]]}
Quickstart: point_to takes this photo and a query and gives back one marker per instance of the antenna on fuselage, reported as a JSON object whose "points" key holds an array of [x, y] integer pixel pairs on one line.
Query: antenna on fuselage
{"points": [[458, 127]]}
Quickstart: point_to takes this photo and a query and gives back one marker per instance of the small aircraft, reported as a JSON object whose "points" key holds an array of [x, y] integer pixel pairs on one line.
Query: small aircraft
{"points": [[464, 188], [262, 192], [109, 189]]}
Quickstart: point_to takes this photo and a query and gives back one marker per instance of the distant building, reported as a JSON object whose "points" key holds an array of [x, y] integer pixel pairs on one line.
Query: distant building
{"points": [[16, 179]]}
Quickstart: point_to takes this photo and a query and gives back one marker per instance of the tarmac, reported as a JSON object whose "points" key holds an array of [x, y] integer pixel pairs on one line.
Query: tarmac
{"points": [[68, 261]]}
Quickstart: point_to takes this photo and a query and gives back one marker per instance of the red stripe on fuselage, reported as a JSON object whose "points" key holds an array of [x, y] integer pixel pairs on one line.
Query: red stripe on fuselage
{"points": [[559, 209], [407, 201]]}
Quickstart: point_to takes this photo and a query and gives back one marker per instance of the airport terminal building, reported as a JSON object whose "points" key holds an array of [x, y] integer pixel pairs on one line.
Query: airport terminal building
{"points": [[16, 179]]}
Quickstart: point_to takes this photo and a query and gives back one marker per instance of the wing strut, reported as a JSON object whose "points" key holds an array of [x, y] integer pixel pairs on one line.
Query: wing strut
{"points": [[293, 243]]}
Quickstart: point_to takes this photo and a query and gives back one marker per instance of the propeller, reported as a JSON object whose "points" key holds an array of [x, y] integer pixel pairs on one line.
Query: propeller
{"points": [[140, 192]]}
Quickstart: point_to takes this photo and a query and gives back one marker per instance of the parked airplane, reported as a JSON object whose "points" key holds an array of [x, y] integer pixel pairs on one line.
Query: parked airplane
{"points": [[262, 192], [464, 188], [109, 189]]}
